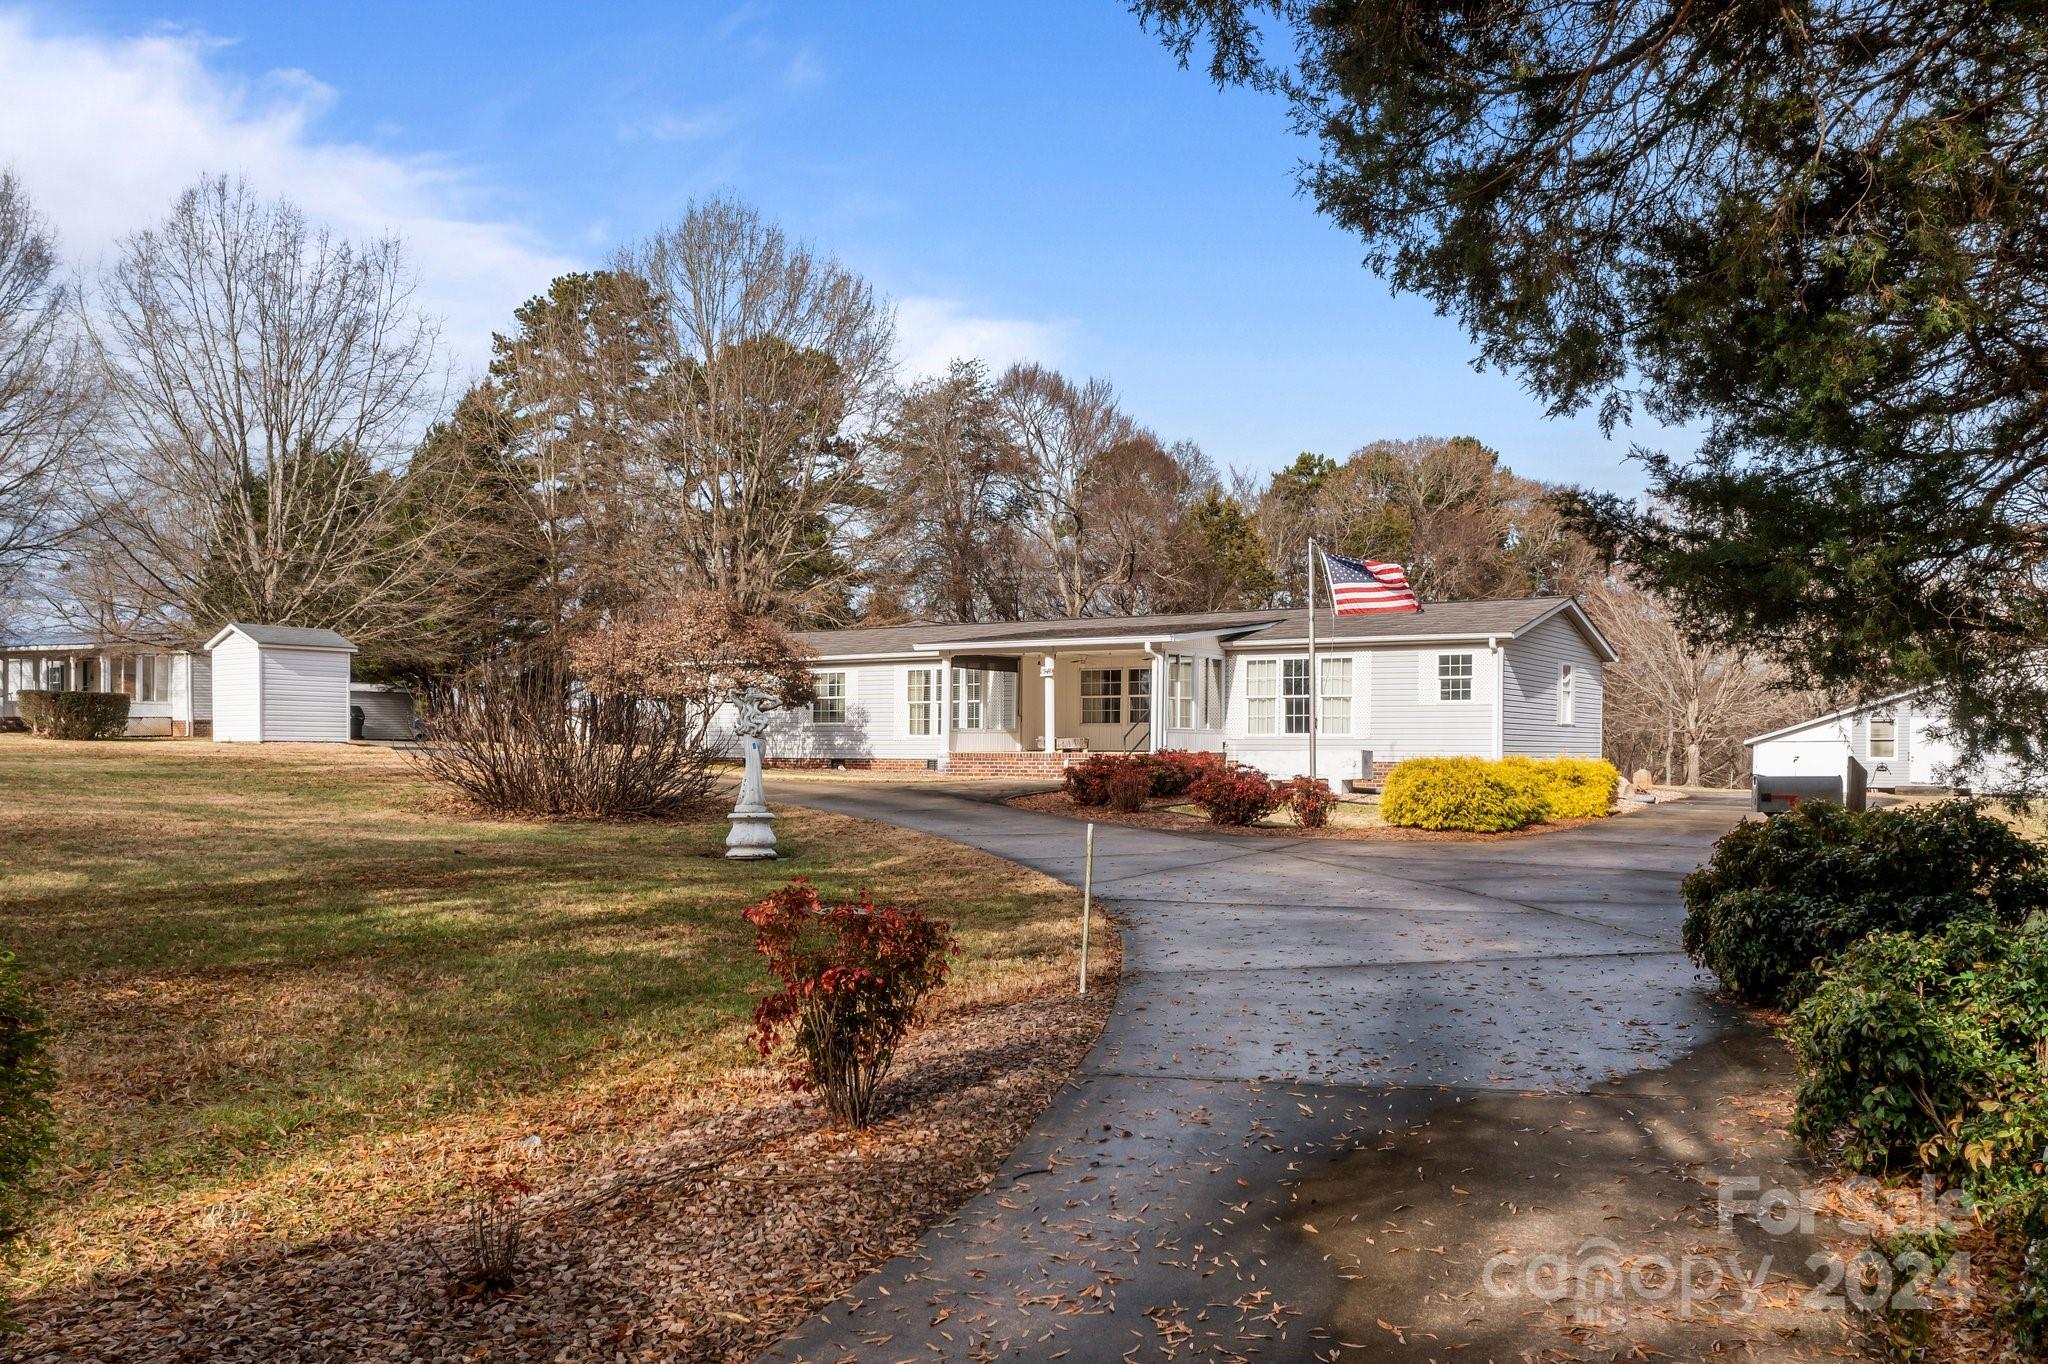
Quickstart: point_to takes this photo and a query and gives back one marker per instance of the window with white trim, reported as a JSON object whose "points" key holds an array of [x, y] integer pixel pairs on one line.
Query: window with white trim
{"points": [[1454, 677], [1138, 706], [970, 698], [828, 705], [1884, 737], [1294, 696], [921, 697], [1213, 691], [1102, 696], [1336, 695], [1261, 695], [1567, 694], [1180, 692]]}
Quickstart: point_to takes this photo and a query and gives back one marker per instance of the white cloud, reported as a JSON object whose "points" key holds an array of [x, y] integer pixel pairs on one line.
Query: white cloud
{"points": [[104, 132], [933, 332]]}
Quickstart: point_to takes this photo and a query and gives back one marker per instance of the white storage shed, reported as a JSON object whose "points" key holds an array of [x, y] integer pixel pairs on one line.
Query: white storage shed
{"points": [[280, 684]]}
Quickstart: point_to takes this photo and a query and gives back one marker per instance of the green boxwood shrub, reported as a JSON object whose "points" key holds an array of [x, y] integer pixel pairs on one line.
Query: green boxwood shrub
{"points": [[1780, 899], [25, 1082], [1468, 794], [1925, 1051], [75, 714]]}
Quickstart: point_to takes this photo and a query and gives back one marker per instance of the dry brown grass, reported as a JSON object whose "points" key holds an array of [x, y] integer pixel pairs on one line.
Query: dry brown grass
{"points": [[296, 996]]}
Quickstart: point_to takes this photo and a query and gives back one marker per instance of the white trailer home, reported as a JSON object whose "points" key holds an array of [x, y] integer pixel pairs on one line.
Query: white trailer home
{"points": [[1483, 678], [169, 690], [1899, 739], [280, 684]]}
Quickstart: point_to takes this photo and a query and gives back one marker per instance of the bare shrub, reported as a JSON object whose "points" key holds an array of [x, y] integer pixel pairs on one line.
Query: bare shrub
{"points": [[531, 742], [487, 1258]]}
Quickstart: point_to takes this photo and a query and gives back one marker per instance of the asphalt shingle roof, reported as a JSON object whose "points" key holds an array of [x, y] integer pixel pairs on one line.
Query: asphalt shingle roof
{"points": [[1251, 629], [293, 636]]}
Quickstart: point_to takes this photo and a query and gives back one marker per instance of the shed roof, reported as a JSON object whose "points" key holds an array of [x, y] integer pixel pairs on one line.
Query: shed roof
{"points": [[285, 636], [1875, 703]]}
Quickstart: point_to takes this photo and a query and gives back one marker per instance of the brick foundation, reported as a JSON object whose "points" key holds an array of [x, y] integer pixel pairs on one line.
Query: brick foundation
{"points": [[1033, 764], [852, 764]]}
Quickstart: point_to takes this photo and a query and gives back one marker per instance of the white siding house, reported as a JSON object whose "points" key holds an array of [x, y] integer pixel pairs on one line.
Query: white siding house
{"points": [[1899, 740], [168, 690], [280, 684], [1479, 678]]}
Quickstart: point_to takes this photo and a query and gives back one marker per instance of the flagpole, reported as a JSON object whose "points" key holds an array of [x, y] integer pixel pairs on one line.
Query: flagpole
{"points": [[1314, 683]]}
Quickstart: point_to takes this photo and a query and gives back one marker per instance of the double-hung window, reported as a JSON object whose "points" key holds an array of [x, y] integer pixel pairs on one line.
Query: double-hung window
{"points": [[921, 697], [1567, 694], [1180, 692], [1261, 695], [1336, 695], [153, 677], [1294, 694], [1140, 696], [1454, 677], [970, 698], [1884, 737], [1102, 696], [828, 704]]}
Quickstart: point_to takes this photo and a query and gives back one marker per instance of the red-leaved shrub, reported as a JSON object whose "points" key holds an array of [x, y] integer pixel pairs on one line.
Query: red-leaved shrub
{"points": [[1235, 794], [1087, 781], [853, 975], [1176, 770], [1129, 784], [1309, 800]]}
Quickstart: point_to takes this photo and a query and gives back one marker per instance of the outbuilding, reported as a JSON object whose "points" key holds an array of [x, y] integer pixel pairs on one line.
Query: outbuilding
{"points": [[280, 684], [1900, 740]]}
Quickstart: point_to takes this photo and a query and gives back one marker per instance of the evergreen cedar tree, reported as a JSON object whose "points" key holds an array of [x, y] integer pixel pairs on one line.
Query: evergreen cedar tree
{"points": [[1816, 230]]}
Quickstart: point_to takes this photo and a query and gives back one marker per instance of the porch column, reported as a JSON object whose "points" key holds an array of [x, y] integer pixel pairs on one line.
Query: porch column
{"points": [[1047, 667]]}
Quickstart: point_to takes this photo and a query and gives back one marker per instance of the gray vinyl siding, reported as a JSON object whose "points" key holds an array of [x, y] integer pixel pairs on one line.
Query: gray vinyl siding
{"points": [[198, 689], [305, 695], [1391, 714], [877, 707], [386, 714], [1529, 705]]}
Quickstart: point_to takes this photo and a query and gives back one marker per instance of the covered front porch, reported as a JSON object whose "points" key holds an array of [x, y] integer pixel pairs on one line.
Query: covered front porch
{"points": [[152, 681], [1030, 711]]}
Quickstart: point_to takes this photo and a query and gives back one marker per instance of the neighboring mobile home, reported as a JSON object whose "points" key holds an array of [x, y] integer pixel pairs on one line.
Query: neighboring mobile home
{"points": [[169, 690], [1899, 740], [1479, 678]]}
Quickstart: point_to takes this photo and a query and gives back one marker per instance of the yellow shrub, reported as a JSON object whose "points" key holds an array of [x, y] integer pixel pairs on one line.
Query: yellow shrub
{"points": [[1471, 794], [1574, 788]]}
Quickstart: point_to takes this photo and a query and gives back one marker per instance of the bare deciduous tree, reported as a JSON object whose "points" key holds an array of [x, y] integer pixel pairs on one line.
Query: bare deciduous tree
{"points": [[1678, 708], [266, 381], [43, 401], [770, 358]]}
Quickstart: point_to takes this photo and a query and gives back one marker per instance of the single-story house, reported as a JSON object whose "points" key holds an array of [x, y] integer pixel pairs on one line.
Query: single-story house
{"points": [[170, 691], [1899, 739], [1478, 678]]}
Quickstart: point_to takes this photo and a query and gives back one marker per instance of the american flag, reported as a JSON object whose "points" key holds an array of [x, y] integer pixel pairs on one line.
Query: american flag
{"points": [[1362, 587]]}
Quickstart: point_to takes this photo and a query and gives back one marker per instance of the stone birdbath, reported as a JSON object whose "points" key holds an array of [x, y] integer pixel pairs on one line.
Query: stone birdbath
{"points": [[753, 824]]}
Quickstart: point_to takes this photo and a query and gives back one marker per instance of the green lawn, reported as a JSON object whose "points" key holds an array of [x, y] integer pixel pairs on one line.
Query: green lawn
{"points": [[291, 987]]}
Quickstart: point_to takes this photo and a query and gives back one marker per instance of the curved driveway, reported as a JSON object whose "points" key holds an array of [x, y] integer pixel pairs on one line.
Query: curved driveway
{"points": [[1284, 1002]]}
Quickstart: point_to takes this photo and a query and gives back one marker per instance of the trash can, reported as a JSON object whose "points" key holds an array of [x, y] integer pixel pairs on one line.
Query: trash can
{"points": [[355, 722]]}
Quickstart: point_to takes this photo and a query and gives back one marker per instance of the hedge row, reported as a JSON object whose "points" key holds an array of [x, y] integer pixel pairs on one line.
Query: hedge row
{"points": [[75, 714], [1913, 945], [1475, 795], [1229, 793]]}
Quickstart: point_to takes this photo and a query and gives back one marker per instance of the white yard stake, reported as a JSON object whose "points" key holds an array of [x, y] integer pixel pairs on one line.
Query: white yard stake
{"points": [[1087, 903]]}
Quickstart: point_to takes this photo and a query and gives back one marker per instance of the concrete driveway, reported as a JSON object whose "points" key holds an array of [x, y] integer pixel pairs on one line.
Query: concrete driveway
{"points": [[1297, 1016]]}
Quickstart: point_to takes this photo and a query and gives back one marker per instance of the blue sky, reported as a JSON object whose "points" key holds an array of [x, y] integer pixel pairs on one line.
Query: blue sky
{"points": [[1026, 180]]}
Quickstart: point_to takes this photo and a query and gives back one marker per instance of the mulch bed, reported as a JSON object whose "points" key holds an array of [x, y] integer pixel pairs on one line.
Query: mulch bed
{"points": [[709, 1244], [1156, 815]]}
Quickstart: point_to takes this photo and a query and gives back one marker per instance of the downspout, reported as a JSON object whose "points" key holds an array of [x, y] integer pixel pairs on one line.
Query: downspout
{"points": [[1158, 698], [1500, 691]]}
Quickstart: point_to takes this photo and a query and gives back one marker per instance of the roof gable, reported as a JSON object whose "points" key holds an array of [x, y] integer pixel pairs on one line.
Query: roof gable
{"points": [[284, 637]]}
